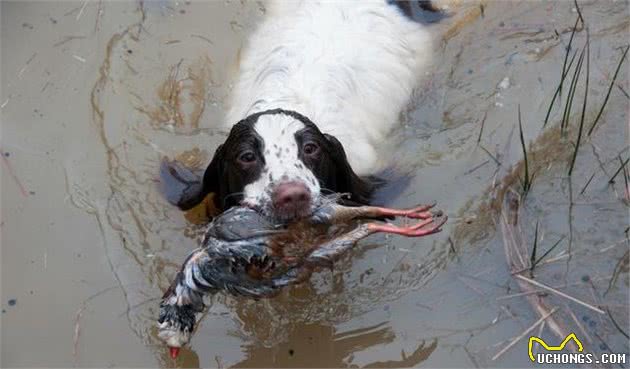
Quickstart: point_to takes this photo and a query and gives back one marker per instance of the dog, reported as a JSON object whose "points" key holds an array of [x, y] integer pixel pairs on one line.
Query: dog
{"points": [[320, 87]]}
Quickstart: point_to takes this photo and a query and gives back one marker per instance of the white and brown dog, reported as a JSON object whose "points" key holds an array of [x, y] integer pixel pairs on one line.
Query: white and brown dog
{"points": [[321, 86]]}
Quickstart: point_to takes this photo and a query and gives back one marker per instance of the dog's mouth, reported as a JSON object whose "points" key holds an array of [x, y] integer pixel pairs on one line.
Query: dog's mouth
{"points": [[288, 214], [284, 214]]}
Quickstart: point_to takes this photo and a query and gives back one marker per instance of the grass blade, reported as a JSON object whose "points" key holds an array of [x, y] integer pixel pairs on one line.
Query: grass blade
{"points": [[557, 93], [588, 182], [491, 156], [617, 325], [623, 165], [548, 251], [574, 81], [533, 257], [612, 83], [483, 123], [577, 7], [526, 182], [579, 136], [566, 55], [625, 179]]}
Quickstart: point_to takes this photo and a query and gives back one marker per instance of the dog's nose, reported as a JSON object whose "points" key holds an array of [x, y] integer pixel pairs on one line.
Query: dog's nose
{"points": [[291, 196]]}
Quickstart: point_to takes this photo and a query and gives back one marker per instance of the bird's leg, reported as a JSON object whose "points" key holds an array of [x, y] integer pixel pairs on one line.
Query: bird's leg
{"points": [[335, 213], [330, 251], [418, 212], [327, 253], [417, 230]]}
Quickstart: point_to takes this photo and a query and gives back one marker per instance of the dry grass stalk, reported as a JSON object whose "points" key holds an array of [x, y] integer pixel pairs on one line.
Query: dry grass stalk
{"points": [[525, 332], [77, 332], [515, 254], [560, 293]]}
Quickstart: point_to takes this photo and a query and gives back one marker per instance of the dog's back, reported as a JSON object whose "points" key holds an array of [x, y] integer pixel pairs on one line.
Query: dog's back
{"points": [[349, 66]]}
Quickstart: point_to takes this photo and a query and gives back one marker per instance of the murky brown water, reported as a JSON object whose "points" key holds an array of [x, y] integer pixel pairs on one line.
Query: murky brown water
{"points": [[95, 93]]}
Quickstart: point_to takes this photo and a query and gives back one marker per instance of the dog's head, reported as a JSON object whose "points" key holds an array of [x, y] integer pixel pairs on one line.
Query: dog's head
{"points": [[279, 163]]}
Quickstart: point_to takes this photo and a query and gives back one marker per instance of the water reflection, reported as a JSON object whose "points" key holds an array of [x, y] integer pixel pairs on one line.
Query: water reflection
{"points": [[272, 339], [288, 330], [334, 349]]}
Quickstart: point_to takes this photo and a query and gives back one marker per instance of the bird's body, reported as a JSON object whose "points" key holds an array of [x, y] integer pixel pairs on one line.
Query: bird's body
{"points": [[248, 254]]}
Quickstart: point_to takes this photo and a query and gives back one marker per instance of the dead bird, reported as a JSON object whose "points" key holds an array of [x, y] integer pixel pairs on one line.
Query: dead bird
{"points": [[249, 254]]}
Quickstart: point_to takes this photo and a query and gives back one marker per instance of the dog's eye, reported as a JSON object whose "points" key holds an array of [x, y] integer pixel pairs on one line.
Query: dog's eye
{"points": [[247, 157], [310, 148]]}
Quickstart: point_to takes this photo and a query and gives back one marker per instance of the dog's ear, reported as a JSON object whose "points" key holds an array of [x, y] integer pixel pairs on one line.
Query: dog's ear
{"points": [[184, 187], [179, 184], [214, 173], [360, 188]]}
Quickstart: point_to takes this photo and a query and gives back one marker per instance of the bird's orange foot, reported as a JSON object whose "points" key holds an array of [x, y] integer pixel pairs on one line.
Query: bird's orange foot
{"points": [[419, 212], [420, 229]]}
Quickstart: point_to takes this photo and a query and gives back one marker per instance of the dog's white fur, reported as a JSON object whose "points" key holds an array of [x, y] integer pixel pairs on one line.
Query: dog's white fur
{"points": [[350, 66], [281, 163]]}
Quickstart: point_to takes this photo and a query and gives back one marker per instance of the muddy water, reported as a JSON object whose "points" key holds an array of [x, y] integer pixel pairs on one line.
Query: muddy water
{"points": [[95, 93]]}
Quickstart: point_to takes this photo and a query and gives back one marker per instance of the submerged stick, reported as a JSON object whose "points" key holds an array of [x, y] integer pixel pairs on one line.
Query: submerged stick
{"points": [[483, 123], [77, 332]]}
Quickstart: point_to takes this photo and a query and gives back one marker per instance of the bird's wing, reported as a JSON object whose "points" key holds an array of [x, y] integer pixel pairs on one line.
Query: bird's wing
{"points": [[224, 266], [241, 223]]}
